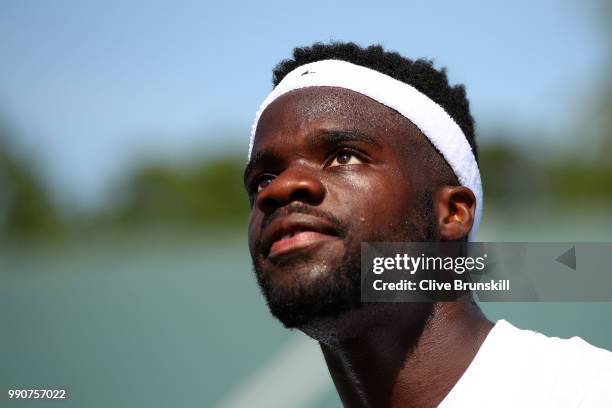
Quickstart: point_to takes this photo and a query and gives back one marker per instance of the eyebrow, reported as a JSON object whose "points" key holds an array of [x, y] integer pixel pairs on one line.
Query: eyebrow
{"points": [[332, 137], [324, 137]]}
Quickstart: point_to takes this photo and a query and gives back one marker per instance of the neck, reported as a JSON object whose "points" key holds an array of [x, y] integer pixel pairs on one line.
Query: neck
{"points": [[399, 361]]}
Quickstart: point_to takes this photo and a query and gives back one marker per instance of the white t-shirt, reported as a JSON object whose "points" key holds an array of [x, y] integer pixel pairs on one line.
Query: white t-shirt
{"points": [[522, 368]]}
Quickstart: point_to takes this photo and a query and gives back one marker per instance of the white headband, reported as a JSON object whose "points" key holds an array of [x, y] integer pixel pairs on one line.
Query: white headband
{"points": [[431, 119]]}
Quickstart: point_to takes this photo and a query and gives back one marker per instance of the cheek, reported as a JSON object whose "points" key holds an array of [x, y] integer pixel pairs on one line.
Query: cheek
{"points": [[379, 198], [253, 228]]}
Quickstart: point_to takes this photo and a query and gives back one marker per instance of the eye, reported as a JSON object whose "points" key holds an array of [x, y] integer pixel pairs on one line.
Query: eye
{"points": [[345, 157], [263, 182]]}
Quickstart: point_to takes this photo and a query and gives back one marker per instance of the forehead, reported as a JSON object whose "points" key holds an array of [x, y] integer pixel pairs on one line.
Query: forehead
{"points": [[306, 109]]}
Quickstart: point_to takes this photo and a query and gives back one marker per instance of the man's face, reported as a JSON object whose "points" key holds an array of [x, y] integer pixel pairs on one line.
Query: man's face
{"points": [[330, 169]]}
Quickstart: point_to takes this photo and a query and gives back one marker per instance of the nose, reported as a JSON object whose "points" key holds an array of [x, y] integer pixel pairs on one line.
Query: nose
{"points": [[296, 183]]}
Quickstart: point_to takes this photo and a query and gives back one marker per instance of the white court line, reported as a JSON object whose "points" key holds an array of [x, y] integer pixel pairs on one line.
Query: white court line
{"points": [[294, 377]]}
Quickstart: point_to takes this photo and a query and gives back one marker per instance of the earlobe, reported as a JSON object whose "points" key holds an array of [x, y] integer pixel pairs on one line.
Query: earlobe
{"points": [[455, 207]]}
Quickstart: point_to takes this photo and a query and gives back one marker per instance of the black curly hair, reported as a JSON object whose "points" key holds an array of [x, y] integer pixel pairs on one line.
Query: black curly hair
{"points": [[419, 73]]}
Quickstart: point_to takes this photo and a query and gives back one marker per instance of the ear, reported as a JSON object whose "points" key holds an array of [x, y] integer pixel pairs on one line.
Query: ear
{"points": [[455, 206]]}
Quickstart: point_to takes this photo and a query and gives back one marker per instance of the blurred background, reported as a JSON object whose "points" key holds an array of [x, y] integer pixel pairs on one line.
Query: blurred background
{"points": [[124, 270]]}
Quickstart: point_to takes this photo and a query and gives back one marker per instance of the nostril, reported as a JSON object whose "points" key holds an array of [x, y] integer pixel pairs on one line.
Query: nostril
{"points": [[301, 195], [269, 204]]}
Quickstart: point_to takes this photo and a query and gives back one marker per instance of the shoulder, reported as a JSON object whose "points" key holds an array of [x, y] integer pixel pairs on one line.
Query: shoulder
{"points": [[516, 367], [580, 373], [576, 358]]}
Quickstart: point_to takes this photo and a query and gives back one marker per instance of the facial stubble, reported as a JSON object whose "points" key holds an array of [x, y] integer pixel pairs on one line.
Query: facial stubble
{"points": [[301, 300]]}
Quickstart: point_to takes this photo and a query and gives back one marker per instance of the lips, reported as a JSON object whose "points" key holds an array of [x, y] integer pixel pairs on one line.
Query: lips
{"points": [[295, 232]]}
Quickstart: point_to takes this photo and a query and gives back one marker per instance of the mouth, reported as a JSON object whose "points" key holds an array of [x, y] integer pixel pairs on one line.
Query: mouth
{"points": [[296, 232]]}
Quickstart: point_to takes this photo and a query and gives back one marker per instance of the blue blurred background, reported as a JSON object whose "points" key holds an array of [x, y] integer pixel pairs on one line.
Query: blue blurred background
{"points": [[124, 270]]}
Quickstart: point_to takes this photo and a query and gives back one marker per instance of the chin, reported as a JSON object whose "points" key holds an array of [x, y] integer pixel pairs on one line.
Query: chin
{"points": [[301, 269], [298, 275], [308, 290]]}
